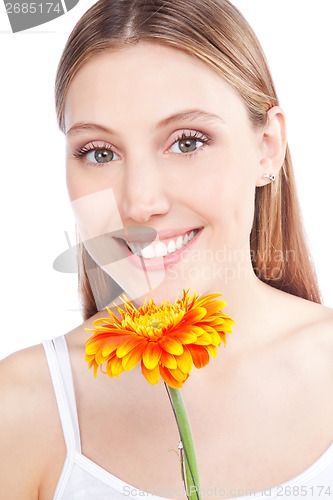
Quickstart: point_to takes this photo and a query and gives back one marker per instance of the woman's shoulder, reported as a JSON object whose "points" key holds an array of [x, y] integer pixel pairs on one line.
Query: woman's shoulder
{"points": [[318, 326], [28, 417], [21, 373], [321, 333], [23, 380], [301, 316], [311, 342]]}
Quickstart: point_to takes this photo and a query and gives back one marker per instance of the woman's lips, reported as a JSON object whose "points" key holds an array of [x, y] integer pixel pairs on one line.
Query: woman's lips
{"points": [[155, 256], [163, 246]]}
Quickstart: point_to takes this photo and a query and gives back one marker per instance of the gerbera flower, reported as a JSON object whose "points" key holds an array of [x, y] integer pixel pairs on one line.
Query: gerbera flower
{"points": [[168, 339]]}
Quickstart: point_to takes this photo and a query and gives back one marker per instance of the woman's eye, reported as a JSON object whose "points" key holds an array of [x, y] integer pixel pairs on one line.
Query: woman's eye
{"points": [[188, 143], [96, 154], [101, 155]]}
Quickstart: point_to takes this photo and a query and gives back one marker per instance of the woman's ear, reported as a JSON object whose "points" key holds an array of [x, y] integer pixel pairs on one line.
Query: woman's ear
{"points": [[273, 143]]}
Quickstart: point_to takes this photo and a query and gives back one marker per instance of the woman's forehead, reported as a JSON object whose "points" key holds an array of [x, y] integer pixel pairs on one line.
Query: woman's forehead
{"points": [[150, 78]]}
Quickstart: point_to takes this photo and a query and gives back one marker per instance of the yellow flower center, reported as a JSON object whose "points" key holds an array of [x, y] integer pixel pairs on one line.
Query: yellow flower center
{"points": [[153, 324]]}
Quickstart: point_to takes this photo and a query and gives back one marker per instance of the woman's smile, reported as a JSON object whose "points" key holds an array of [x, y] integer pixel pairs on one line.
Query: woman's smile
{"points": [[162, 247], [171, 249]]}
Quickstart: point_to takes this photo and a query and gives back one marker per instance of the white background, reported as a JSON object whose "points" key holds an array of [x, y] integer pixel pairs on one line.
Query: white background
{"points": [[37, 302]]}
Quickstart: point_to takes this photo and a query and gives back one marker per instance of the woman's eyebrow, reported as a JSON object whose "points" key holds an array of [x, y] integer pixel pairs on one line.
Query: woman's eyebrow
{"points": [[87, 127], [189, 115], [186, 115]]}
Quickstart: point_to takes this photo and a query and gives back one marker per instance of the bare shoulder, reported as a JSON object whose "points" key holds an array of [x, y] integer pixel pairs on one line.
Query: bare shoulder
{"points": [[22, 376], [308, 321], [320, 327], [21, 372], [322, 333], [26, 407], [304, 339], [314, 342]]}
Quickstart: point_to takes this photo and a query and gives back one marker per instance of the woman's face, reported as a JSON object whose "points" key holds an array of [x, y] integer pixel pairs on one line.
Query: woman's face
{"points": [[159, 144]]}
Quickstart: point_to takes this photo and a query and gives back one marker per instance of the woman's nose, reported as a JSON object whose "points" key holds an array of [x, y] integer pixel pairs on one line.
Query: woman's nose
{"points": [[144, 192]]}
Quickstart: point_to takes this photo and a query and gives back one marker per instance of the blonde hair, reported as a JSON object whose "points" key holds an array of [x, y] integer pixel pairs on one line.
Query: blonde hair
{"points": [[217, 33]]}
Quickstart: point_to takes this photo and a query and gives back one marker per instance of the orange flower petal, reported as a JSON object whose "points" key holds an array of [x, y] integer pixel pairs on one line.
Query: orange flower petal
{"points": [[184, 361], [92, 348], [99, 358], [195, 330], [177, 374], [185, 337], [196, 314], [223, 338], [168, 360], [127, 345], [97, 341], [199, 355], [212, 350], [151, 355], [100, 321], [133, 357], [205, 339], [108, 349], [115, 367], [171, 345], [152, 376], [169, 379], [214, 336], [214, 307], [210, 298], [227, 326], [92, 364]]}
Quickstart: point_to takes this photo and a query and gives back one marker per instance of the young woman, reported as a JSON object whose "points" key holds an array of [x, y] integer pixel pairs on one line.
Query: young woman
{"points": [[177, 154]]}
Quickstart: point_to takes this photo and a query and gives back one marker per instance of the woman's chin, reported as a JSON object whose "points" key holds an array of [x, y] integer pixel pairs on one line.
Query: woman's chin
{"points": [[167, 291]]}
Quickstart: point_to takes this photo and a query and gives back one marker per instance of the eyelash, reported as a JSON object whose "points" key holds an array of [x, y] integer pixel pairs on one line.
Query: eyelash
{"points": [[199, 136], [83, 151]]}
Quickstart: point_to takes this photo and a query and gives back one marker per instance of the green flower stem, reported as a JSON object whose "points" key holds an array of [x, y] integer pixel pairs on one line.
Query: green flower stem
{"points": [[189, 465]]}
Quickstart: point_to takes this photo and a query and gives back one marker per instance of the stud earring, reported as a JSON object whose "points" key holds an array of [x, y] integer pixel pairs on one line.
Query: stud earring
{"points": [[271, 177]]}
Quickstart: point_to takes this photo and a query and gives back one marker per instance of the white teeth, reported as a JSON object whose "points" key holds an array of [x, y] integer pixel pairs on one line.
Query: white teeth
{"points": [[179, 242], [161, 249], [148, 252], [171, 246]]}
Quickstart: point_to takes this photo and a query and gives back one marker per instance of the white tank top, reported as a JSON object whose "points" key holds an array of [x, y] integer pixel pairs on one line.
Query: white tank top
{"points": [[82, 479]]}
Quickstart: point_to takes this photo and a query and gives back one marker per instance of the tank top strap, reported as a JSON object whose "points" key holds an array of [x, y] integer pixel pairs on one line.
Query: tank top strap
{"points": [[58, 359]]}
